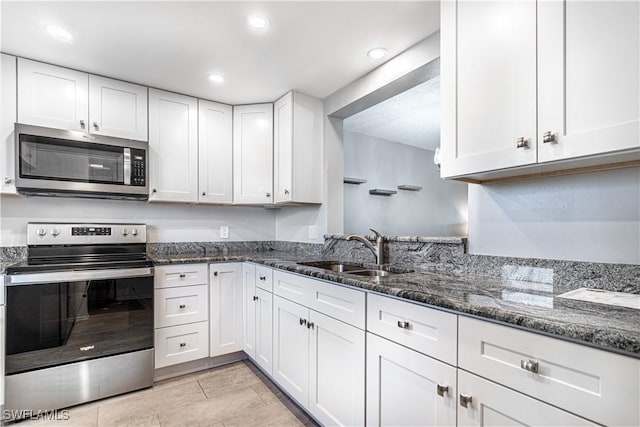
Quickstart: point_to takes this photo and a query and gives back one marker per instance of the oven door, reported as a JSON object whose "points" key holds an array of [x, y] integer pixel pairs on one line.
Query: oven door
{"points": [[76, 315]]}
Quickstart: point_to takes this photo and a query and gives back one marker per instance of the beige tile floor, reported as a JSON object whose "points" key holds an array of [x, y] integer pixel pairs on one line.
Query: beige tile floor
{"points": [[233, 395]]}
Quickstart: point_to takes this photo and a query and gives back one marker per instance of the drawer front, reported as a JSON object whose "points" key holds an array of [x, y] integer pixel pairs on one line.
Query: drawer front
{"points": [[293, 287], [347, 305], [264, 278], [428, 331], [592, 383], [168, 276], [179, 306], [179, 344]]}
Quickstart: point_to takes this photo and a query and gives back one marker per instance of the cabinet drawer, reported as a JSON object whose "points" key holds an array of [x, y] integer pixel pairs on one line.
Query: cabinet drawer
{"points": [[423, 329], [179, 344], [347, 305], [264, 278], [293, 287], [167, 276], [178, 306], [592, 383]]}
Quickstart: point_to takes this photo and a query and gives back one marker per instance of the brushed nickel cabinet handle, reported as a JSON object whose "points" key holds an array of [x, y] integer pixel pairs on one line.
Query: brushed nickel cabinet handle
{"points": [[183, 344], [403, 324], [255, 298], [7, 180], [82, 125], [522, 142], [182, 275], [267, 194], [215, 273], [465, 400], [286, 191], [310, 325], [303, 321], [529, 365], [442, 389], [96, 126], [548, 137], [183, 306]]}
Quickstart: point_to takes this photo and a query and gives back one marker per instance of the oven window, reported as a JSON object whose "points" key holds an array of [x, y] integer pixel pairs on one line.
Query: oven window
{"points": [[50, 158], [57, 323]]}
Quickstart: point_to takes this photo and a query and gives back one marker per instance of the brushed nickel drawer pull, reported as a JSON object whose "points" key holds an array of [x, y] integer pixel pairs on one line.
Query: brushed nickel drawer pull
{"points": [[263, 278], [465, 400], [442, 389], [183, 344], [183, 306], [303, 321], [403, 324], [182, 275], [529, 365]]}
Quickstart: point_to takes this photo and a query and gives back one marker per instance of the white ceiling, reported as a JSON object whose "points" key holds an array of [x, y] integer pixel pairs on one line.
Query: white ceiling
{"points": [[314, 47], [411, 117]]}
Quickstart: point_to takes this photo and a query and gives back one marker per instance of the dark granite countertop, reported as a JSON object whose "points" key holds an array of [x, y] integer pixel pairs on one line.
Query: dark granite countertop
{"points": [[527, 305]]}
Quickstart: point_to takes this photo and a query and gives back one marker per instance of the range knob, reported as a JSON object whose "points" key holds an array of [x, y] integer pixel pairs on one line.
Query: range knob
{"points": [[55, 232], [134, 232], [125, 231], [42, 231]]}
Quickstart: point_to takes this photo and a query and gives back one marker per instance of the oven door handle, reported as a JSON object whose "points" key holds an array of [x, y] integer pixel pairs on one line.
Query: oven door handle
{"points": [[77, 276]]}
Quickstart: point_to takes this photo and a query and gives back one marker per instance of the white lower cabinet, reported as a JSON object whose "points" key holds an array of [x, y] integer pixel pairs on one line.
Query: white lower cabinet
{"points": [[407, 388], [225, 308], [484, 403], [320, 362], [257, 319], [182, 343], [181, 314]]}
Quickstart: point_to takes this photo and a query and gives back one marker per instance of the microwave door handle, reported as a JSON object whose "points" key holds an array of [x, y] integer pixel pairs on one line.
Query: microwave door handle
{"points": [[127, 166]]}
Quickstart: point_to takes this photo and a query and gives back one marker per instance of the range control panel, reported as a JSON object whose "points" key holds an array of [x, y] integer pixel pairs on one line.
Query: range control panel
{"points": [[40, 233]]}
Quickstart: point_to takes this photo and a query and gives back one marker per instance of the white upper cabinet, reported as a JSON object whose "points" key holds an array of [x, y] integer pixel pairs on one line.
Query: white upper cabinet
{"points": [[532, 87], [253, 154], [488, 82], [52, 96], [215, 153], [61, 98], [589, 89], [173, 147], [297, 147], [8, 119], [117, 108]]}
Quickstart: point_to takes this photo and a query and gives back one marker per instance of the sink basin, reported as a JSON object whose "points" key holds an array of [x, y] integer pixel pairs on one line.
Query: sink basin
{"points": [[372, 273], [357, 269], [333, 266]]}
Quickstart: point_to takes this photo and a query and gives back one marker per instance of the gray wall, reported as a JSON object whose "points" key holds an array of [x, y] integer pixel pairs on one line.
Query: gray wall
{"points": [[167, 222], [587, 217], [439, 209]]}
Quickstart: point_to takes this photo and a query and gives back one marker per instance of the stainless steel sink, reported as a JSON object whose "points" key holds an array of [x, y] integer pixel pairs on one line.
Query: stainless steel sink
{"points": [[356, 269], [336, 266]]}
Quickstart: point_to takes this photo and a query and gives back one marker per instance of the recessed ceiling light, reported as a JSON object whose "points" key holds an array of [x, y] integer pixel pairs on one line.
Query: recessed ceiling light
{"points": [[216, 78], [377, 53], [258, 22], [59, 33]]}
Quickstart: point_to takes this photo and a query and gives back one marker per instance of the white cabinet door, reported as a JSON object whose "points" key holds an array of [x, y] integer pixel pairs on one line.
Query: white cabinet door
{"points": [[253, 154], [291, 348], [117, 108], [8, 119], [494, 405], [336, 371], [249, 309], [181, 305], [297, 148], [264, 330], [283, 148], [406, 388], [488, 83], [52, 96], [588, 65], [215, 152], [225, 302], [173, 147]]}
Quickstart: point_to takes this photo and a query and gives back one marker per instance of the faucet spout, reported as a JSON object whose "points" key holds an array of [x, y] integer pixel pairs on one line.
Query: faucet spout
{"points": [[377, 250]]}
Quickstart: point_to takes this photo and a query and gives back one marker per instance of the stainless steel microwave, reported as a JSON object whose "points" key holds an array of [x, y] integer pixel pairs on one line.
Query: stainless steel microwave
{"points": [[53, 162]]}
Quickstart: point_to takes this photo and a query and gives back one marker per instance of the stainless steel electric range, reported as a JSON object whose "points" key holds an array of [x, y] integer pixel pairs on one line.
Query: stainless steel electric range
{"points": [[79, 322]]}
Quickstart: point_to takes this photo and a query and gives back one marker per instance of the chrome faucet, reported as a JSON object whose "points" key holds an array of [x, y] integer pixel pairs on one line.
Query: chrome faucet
{"points": [[378, 249]]}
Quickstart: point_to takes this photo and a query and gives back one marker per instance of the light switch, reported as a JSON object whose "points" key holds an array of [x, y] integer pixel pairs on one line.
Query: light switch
{"points": [[224, 231]]}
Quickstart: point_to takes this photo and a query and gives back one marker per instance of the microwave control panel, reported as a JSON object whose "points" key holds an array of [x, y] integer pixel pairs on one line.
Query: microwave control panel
{"points": [[138, 168]]}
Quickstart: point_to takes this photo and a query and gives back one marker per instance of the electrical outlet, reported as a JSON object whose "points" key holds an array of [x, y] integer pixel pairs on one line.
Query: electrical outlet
{"points": [[313, 232], [224, 231]]}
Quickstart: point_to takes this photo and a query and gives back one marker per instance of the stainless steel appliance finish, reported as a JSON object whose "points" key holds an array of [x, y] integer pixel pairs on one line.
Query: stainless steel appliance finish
{"points": [[67, 385], [53, 162], [79, 322]]}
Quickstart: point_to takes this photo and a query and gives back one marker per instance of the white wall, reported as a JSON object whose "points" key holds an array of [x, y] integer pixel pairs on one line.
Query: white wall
{"points": [[587, 217], [439, 209], [167, 222]]}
